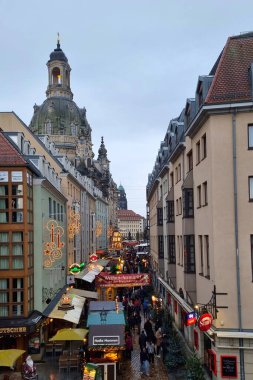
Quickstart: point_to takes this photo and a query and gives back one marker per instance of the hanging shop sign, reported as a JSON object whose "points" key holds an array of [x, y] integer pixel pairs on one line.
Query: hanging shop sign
{"points": [[205, 322], [93, 258], [190, 318], [76, 268], [122, 280]]}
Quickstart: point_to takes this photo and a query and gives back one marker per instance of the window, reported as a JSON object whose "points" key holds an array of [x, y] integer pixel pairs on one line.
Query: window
{"points": [[178, 250], [179, 172], [170, 212], [251, 249], [188, 209], [180, 206], [54, 212], [189, 161], [203, 140], [160, 216], [198, 153], [171, 249], [201, 261], [177, 209], [171, 180], [251, 188], [250, 136], [205, 194], [61, 214], [189, 254], [58, 211], [207, 256], [160, 247], [199, 196], [50, 210]]}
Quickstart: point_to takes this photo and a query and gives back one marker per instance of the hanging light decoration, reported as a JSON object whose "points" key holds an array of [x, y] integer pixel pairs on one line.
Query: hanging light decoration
{"points": [[53, 247]]}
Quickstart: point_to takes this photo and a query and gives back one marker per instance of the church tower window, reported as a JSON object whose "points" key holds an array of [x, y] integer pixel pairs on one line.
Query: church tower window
{"points": [[56, 75]]}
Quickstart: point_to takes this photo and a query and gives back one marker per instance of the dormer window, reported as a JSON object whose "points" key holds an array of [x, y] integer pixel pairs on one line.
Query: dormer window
{"points": [[188, 116], [176, 134], [200, 94]]}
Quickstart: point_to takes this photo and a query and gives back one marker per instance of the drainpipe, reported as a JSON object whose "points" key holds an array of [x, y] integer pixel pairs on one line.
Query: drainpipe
{"points": [[238, 283]]}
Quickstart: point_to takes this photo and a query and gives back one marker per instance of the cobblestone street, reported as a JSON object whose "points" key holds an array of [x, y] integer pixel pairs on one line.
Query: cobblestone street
{"points": [[131, 369]]}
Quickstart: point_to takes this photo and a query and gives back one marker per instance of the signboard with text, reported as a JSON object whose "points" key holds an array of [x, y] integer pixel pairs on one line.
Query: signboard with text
{"points": [[229, 367], [106, 340], [122, 280]]}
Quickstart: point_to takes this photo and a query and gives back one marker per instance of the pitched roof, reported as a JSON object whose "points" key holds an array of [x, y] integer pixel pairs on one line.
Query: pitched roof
{"points": [[128, 215], [9, 156], [231, 82]]}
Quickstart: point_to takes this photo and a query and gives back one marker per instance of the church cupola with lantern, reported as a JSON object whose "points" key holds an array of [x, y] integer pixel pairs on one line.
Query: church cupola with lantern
{"points": [[58, 74], [60, 118]]}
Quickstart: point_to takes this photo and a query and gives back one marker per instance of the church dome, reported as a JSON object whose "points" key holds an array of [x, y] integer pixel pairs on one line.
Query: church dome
{"points": [[58, 55], [60, 116]]}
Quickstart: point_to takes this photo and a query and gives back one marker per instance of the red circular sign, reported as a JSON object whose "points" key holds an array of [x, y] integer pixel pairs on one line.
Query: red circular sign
{"points": [[93, 258], [205, 322]]}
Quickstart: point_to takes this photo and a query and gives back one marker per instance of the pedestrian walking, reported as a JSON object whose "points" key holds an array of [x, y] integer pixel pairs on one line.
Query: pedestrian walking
{"points": [[159, 337], [148, 329], [144, 362], [137, 319], [142, 340], [129, 346], [145, 308], [150, 350]]}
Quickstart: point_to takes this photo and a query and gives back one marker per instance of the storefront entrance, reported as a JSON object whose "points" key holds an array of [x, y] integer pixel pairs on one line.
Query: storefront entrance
{"points": [[108, 371]]}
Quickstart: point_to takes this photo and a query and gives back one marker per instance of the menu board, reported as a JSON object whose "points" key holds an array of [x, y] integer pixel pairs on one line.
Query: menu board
{"points": [[229, 367]]}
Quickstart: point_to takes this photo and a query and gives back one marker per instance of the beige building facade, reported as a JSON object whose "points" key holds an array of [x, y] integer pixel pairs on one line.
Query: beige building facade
{"points": [[200, 196]]}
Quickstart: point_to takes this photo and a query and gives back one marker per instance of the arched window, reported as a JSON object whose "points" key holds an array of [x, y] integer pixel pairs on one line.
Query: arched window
{"points": [[56, 76]]}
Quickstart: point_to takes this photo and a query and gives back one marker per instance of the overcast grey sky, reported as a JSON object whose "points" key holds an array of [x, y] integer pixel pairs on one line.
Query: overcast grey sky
{"points": [[134, 63]]}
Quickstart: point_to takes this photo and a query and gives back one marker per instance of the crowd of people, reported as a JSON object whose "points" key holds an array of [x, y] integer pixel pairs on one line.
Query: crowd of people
{"points": [[150, 336]]}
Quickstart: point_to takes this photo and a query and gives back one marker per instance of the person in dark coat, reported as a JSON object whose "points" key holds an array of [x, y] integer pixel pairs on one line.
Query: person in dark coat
{"points": [[144, 362], [149, 329], [129, 346], [142, 340], [137, 318]]}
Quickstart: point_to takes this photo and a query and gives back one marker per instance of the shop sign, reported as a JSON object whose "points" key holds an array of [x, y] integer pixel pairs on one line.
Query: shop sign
{"points": [[190, 318], [93, 258], [229, 366], [122, 280], [13, 330], [205, 322], [105, 340]]}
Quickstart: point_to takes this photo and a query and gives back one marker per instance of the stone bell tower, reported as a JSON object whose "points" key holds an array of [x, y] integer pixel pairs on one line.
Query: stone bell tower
{"points": [[58, 74]]}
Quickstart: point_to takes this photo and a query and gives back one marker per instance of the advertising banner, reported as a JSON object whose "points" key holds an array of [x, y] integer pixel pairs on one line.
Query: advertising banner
{"points": [[122, 280]]}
